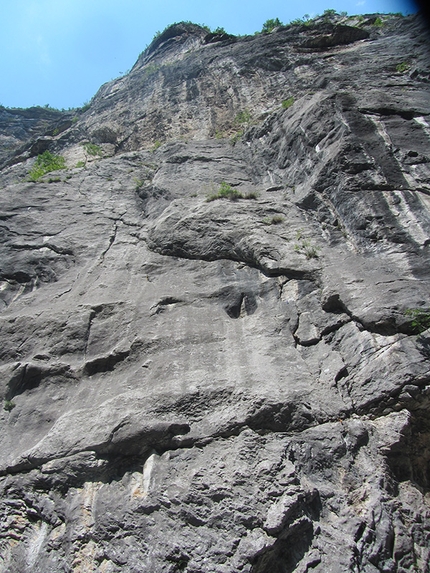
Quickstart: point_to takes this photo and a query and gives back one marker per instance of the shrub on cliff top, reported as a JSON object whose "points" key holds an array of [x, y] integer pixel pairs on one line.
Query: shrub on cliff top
{"points": [[270, 25]]}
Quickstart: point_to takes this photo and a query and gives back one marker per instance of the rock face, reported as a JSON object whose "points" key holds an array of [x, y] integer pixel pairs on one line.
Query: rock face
{"points": [[233, 384]]}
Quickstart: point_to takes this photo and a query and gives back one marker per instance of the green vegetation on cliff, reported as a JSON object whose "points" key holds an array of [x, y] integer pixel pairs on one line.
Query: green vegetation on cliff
{"points": [[45, 163]]}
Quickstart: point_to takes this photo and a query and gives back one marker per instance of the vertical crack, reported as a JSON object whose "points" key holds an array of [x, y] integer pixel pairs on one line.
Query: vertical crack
{"points": [[93, 314], [111, 241]]}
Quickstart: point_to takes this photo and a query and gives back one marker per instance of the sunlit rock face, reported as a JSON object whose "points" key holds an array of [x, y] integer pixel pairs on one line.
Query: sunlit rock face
{"points": [[214, 352]]}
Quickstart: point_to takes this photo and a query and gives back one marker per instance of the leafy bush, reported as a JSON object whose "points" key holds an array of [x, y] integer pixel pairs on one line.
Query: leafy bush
{"points": [[243, 117], [402, 68], [226, 191], [270, 25], [305, 21], [297, 22], [420, 319], [327, 14], [45, 163], [288, 102], [8, 405], [378, 22]]}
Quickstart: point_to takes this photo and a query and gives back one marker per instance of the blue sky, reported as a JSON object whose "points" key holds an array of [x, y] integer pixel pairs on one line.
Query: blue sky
{"points": [[59, 52]]}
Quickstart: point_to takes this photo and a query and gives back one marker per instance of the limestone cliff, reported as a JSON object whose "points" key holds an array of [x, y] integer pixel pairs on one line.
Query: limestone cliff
{"points": [[214, 352]]}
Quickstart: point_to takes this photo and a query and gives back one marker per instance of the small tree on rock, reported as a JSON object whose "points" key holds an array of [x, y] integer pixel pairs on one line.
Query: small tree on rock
{"points": [[270, 25]]}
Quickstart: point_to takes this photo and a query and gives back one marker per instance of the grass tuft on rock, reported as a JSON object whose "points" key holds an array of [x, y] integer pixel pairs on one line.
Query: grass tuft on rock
{"points": [[226, 191]]}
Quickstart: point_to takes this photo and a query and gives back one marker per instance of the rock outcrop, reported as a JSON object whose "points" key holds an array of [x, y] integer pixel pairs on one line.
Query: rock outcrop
{"points": [[214, 351]]}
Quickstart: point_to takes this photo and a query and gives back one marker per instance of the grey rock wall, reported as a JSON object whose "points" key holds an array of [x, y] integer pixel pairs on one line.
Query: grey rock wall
{"points": [[224, 385]]}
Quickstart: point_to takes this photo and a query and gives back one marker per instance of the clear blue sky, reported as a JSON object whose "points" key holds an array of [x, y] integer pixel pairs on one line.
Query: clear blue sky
{"points": [[59, 52]]}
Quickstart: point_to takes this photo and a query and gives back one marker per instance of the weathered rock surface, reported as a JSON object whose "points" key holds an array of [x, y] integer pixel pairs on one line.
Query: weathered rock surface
{"points": [[222, 386]]}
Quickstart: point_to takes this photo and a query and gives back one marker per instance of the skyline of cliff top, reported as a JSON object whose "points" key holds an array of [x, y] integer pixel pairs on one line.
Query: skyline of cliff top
{"points": [[60, 52]]}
